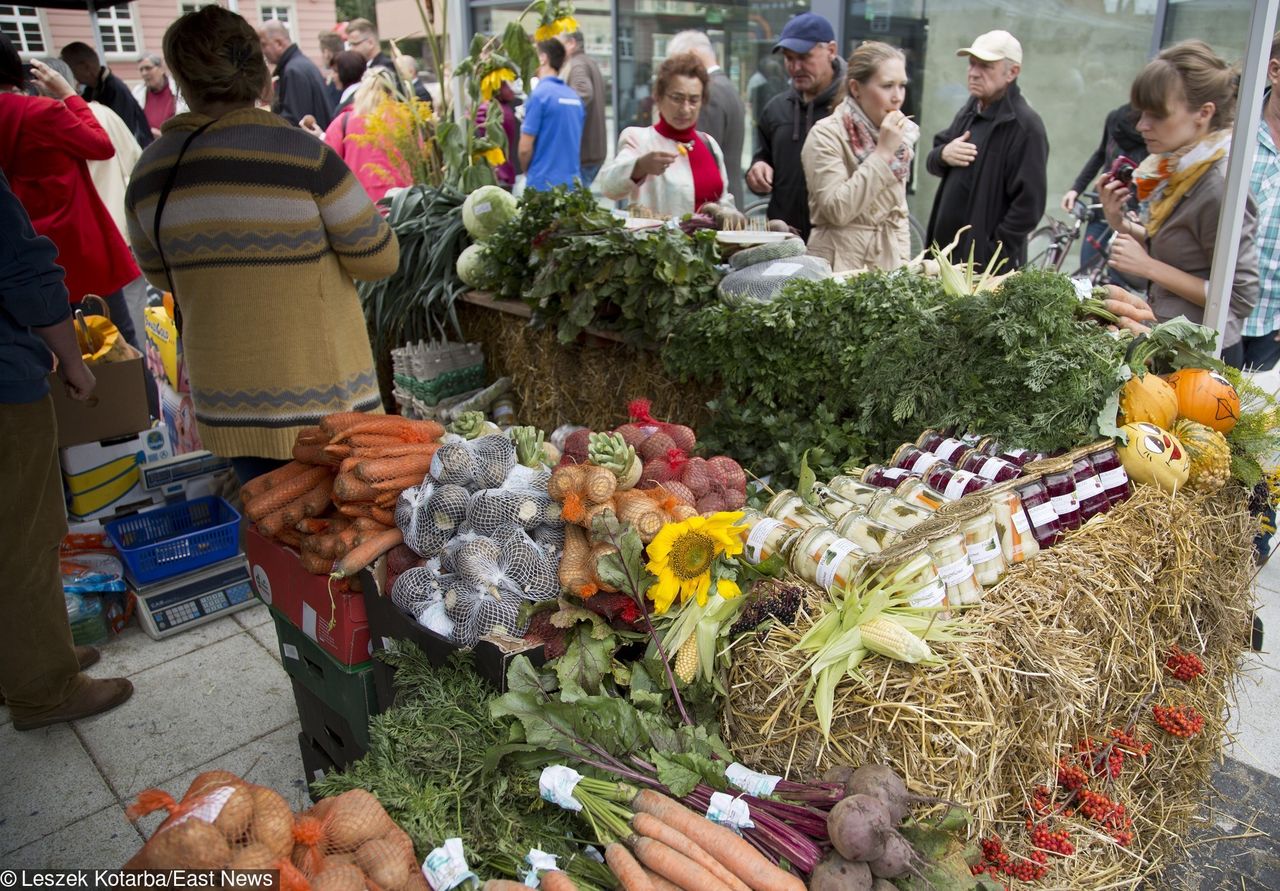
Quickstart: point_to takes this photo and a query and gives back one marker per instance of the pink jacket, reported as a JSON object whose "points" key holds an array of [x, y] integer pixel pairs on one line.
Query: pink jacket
{"points": [[371, 166]]}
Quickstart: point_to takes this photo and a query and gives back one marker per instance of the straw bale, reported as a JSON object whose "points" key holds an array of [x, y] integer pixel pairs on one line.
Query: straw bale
{"points": [[588, 382], [1068, 645]]}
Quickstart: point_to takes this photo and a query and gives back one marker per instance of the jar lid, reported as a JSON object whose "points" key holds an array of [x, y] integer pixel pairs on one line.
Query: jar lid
{"points": [[813, 532], [899, 552], [1098, 446], [926, 434], [1060, 464], [966, 508], [779, 499], [933, 528]]}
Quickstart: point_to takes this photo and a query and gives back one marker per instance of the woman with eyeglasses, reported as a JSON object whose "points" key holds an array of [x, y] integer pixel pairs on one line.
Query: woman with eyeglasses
{"points": [[670, 168]]}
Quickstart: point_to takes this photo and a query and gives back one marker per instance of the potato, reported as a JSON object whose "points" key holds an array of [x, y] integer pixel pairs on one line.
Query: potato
{"points": [[383, 862], [235, 815], [254, 855], [343, 877], [337, 860], [210, 780], [194, 844], [399, 839], [272, 822], [355, 818]]}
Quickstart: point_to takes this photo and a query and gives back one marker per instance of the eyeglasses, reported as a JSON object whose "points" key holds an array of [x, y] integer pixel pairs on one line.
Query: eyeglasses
{"points": [[360, 42], [681, 99], [143, 69]]}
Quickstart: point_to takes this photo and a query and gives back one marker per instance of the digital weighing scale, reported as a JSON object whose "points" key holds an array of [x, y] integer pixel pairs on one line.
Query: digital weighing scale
{"points": [[171, 606]]}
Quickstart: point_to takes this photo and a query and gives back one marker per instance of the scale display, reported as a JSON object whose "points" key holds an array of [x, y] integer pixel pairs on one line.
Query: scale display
{"points": [[174, 605]]}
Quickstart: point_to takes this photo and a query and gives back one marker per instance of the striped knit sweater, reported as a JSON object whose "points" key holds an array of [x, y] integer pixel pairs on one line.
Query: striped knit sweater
{"points": [[263, 232]]}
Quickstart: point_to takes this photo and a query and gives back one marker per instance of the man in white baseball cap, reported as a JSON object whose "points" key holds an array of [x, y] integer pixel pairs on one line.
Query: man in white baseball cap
{"points": [[992, 159]]}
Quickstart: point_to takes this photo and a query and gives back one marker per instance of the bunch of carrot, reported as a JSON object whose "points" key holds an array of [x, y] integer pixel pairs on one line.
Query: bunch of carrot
{"points": [[335, 501], [654, 843]]}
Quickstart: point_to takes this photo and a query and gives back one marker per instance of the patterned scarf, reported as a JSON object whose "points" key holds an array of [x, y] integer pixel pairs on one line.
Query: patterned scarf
{"points": [[1162, 179], [863, 137]]}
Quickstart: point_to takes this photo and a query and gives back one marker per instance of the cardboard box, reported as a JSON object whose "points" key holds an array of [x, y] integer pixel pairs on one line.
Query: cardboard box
{"points": [[493, 653], [164, 349], [330, 613], [179, 415], [117, 408], [102, 478]]}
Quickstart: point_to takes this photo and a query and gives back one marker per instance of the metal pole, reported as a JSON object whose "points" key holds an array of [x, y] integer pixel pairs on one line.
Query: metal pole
{"points": [[457, 23], [1244, 144], [1157, 31]]}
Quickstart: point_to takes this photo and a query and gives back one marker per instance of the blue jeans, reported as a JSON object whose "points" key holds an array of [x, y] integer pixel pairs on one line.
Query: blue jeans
{"points": [[588, 174], [1261, 353], [1094, 233]]}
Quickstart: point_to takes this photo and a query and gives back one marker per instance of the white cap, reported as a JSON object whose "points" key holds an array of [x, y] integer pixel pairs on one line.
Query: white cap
{"points": [[994, 46]]}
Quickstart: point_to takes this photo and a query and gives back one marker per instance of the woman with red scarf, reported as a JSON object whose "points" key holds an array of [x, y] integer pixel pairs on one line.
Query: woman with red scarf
{"points": [[856, 163], [670, 168]]}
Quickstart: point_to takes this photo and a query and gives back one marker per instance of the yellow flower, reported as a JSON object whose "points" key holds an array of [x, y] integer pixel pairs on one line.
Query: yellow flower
{"points": [[492, 82], [494, 156], [681, 555], [564, 25]]}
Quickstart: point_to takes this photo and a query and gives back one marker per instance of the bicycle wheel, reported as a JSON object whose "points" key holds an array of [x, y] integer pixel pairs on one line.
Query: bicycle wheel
{"points": [[1044, 249], [917, 235]]}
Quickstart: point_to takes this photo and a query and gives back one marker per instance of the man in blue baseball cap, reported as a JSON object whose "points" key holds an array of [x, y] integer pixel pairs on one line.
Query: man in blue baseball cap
{"points": [[808, 45]]}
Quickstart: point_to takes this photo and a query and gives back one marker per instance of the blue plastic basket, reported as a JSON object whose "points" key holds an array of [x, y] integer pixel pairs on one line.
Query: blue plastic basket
{"points": [[168, 541]]}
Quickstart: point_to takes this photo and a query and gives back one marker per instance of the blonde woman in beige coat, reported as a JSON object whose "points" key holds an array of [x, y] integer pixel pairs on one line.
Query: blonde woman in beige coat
{"points": [[856, 163]]}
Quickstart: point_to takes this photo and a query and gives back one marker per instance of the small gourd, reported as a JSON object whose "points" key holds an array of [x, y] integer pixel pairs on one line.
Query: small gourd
{"points": [[1209, 454], [1148, 398], [1154, 456], [1206, 397]]}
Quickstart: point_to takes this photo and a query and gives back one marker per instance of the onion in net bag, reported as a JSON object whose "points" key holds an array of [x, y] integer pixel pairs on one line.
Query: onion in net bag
{"points": [[762, 282], [436, 520], [529, 566], [415, 588], [494, 457], [454, 463]]}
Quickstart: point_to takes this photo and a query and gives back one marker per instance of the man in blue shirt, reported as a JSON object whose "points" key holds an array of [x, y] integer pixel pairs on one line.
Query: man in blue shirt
{"points": [[551, 137], [1262, 329], [40, 667]]}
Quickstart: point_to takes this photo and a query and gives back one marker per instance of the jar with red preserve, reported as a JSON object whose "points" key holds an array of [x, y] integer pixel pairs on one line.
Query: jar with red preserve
{"points": [[914, 460], [945, 447], [884, 477], [989, 467], [1059, 479], [1038, 507], [1090, 492], [1106, 461], [953, 482]]}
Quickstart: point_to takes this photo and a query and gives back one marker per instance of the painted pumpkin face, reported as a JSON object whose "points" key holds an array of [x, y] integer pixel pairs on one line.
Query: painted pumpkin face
{"points": [[1155, 456]]}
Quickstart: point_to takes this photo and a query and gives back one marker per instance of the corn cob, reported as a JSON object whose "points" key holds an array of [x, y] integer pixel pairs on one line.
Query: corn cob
{"points": [[687, 659], [886, 637]]}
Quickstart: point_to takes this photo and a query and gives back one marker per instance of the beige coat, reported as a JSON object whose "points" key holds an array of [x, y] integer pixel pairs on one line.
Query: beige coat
{"points": [[859, 212]]}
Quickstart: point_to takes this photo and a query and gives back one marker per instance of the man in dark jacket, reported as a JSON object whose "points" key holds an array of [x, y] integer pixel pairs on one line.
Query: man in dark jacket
{"points": [[100, 85], [808, 44], [583, 74], [300, 88], [723, 112], [992, 160]]}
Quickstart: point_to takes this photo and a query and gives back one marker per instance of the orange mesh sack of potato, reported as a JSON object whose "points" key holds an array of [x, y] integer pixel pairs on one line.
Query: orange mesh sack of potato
{"points": [[221, 822], [348, 843]]}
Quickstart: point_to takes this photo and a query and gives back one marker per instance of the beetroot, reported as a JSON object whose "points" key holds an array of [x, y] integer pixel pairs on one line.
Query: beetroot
{"points": [[710, 504], [655, 473], [839, 774], [896, 860], [734, 499], [858, 826], [880, 780], [683, 437], [655, 446], [631, 434], [698, 477], [575, 446], [729, 471], [835, 873]]}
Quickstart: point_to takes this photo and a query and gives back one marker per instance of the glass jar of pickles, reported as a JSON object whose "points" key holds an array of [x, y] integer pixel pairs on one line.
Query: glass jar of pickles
{"points": [[893, 511], [1106, 461], [917, 492], [914, 460], [1012, 523], [953, 482], [832, 503], [1090, 493], [950, 555], [910, 566], [824, 558], [945, 447], [1060, 482], [767, 536], [1038, 507], [790, 508], [982, 541], [870, 535], [988, 467], [883, 477], [855, 490]]}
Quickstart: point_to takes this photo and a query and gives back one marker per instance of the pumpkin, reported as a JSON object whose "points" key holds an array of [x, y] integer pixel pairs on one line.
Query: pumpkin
{"points": [[1209, 454], [1154, 456], [1148, 398], [1207, 397]]}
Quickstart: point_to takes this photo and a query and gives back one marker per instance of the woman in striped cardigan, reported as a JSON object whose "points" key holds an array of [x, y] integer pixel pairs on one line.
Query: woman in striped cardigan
{"points": [[261, 230]]}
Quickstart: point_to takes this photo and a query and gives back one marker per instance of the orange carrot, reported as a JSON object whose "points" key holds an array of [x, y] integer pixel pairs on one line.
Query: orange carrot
{"points": [[290, 537], [281, 495], [335, 423], [312, 436], [354, 509], [378, 469], [391, 425], [258, 485], [394, 451], [348, 464], [673, 866], [659, 883], [383, 516], [313, 454], [317, 499], [366, 552], [370, 440], [349, 487], [339, 452], [504, 885], [272, 524], [624, 866], [556, 880], [650, 826], [316, 564], [322, 525], [736, 854], [400, 483], [387, 500]]}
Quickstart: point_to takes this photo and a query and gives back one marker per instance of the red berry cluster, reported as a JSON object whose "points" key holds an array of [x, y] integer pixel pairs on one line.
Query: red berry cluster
{"points": [[1178, 720], [1125, 740], [1182, 665], [1108, 814], [1071, 776], [1054, 842], [996, 862], [1042, 804]]}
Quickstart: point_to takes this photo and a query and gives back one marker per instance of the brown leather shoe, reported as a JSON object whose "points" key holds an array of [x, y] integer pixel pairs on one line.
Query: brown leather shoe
{"points": [[95, 695], [85, 655]]}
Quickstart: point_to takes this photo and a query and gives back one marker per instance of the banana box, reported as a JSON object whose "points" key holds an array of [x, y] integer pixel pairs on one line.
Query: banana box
{"points": [[101, 478], [164, 349]]}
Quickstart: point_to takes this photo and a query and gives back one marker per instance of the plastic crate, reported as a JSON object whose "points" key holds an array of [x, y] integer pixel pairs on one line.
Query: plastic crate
{"points": [[159, 544]]}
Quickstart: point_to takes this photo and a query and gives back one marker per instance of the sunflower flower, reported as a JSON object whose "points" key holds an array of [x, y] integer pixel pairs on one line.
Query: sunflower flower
{"points": [[683, 556], [563, 25], [492, 82], [494, 156]]}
